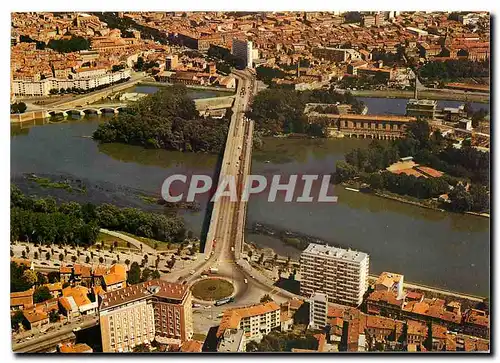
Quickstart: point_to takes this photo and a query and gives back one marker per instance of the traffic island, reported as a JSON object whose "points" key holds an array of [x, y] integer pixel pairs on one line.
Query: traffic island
{"points": [[212, 289]]}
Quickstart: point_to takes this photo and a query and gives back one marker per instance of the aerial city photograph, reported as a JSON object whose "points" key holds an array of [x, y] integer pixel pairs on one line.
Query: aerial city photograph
{"points": [[250, 181]]}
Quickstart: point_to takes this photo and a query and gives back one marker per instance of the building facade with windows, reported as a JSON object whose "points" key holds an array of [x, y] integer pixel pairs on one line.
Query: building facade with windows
{"points": [[42, 87], [318, 310], [243, 49], [256, 320], [139, 314], [339, 273]]}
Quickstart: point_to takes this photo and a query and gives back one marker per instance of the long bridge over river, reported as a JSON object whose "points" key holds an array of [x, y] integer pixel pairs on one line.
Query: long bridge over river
{"points": [[202, 105]]}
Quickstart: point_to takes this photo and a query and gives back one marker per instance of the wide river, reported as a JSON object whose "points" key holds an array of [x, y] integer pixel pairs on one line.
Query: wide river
{"points": [[430, 247]]}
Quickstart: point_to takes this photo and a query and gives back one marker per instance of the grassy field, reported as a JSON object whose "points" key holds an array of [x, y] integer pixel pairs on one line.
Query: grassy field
{"points": [[109, 240], [212, 289], [158, 245]]}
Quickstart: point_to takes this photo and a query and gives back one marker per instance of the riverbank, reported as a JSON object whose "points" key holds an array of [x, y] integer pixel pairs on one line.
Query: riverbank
{"points": [[466, 300], [66, 188], [201, 88], [428, 204], [434, 94]]}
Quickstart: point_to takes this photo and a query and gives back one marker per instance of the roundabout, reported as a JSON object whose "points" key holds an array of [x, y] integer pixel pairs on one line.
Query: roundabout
{"points": [[212, 288]]}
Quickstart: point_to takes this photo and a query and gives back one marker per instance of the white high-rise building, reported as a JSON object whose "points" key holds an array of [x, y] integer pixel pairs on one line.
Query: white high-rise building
{"points": [[339, 273], [318, 310], [243, 49]]}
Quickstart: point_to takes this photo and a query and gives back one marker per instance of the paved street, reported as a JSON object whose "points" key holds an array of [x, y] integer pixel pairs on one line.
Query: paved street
{"points": [[226, 233]]}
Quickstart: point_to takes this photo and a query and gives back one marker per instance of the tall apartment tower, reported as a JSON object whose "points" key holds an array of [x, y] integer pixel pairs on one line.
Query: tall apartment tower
{"points": [[318, 310], [339, 273], [138, 314], [243, 49]]}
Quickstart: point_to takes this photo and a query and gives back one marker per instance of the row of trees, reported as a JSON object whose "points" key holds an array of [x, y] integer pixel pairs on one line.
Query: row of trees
{"points": [[454, 69], [283, 342], [74, 44], [266, 74], [48, 228], [167, 119], [43, 221], [364, 81], [135, 275], [422, 188], [283, 112], [140, 65]]}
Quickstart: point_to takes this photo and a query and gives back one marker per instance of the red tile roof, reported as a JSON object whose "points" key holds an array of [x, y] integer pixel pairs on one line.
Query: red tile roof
{"points": [[165, 289]]}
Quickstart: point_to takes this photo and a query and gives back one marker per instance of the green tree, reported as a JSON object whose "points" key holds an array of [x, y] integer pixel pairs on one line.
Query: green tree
{"points": [[54, 316], [41, 294], [17, 319], [155, 275], [146, 274], [461, 200], [30, 277], [266, 298], [480, 198], [21, 106], [344, 171], [41, 279], [53, 276], [75, 43], [134, 274], [376, 181]]}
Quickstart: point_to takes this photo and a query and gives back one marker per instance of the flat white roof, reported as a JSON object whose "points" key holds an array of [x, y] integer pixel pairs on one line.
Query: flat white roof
{"points": [[336, 252]]}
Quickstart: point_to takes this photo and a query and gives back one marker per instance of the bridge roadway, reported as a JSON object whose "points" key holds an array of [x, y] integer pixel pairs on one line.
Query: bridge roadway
{"points": [[47, 342], [201, 104], [227, 222]]}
